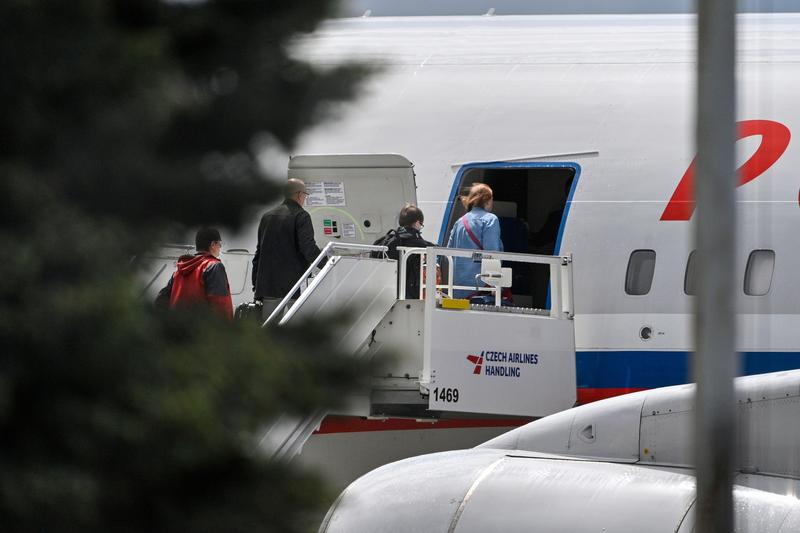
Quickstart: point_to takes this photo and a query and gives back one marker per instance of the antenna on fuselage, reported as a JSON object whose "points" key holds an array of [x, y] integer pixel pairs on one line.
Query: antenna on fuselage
{"points": [[489, 13], [366, 14]]}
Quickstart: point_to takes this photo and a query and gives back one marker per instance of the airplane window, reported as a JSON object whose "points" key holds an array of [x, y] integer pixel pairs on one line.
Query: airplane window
{"points": [[641, 267], [758, 275], [690, 280]]}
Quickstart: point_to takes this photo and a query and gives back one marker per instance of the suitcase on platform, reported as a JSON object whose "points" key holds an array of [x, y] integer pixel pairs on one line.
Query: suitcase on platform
{"points": [[250, 311]]}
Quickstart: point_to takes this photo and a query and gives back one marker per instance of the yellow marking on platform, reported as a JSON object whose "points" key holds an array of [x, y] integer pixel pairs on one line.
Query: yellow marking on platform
{"points": [[455, 303]]}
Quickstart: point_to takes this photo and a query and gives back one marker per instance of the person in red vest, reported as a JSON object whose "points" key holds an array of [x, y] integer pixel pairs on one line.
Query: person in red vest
{"points": [[200, 278]]}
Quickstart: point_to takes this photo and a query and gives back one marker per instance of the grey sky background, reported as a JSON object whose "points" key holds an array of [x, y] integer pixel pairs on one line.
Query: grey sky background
{"points": [[356, 8]]}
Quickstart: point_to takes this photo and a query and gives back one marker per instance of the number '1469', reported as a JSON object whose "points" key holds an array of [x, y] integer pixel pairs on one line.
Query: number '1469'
{"points": [[445, 395]]}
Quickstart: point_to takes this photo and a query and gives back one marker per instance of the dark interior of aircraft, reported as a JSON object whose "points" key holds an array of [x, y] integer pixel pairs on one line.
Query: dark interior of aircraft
{"points": [[530, 202]]}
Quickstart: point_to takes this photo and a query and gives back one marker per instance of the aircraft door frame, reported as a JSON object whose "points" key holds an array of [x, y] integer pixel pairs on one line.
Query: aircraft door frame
{"points": [[454, 190], [531, 285]]}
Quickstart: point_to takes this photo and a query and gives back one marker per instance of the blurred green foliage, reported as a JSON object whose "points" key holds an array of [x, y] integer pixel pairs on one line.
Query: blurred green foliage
{"points": [[122, 119]]}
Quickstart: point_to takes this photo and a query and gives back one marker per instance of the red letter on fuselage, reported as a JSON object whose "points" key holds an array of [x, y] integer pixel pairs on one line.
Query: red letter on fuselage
{"points": [[774, 141]]}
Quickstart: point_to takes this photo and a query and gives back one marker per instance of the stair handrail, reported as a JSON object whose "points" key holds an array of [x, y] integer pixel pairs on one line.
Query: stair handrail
{"points": [[326, 252], [405, 253], [560, 271], [562, 304]]}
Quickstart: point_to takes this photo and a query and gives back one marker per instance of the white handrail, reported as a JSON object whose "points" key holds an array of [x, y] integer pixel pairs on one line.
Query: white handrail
{"points": [[326, 252], [498, 291], [560, 273], [561, 297], [405, 253]]}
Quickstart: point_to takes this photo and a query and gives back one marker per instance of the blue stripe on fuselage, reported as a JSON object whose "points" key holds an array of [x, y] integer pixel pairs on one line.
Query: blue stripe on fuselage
{"points": [[651, 369]]}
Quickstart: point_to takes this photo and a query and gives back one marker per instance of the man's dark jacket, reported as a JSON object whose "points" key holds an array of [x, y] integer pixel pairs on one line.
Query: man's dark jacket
{"points": [[411, 238], [284, 250]]}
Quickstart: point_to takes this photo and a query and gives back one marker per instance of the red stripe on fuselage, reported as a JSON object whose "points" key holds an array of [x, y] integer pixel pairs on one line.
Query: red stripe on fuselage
{"points": [[354, 424], [592, 395], [351, 424]]}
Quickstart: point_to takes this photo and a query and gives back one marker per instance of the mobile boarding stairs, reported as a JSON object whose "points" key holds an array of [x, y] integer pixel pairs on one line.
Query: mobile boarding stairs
{"points": [[443, 355]]}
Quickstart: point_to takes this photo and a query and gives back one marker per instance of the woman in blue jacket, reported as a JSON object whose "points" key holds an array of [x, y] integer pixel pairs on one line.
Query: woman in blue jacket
{"points": [[478, 229]]}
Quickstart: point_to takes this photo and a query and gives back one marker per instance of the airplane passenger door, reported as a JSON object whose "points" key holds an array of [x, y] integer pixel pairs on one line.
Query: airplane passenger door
{"points": [[354, 198]]}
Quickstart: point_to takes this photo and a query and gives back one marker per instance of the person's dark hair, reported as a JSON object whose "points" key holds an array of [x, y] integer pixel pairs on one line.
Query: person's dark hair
{"points": [[479, 195], [204, 238], [410, 214]]}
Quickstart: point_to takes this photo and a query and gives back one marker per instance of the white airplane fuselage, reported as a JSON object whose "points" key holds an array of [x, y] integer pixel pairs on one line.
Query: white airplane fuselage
{"points": [[610, 99], [614, 97]]}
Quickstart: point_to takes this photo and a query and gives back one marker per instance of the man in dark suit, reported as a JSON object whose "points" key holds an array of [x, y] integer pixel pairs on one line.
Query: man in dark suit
{"points": [[285, 247]]}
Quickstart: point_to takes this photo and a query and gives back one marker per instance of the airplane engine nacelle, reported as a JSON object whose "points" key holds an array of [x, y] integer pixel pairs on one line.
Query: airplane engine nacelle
{"points": [[492, 490], [622, 464]]}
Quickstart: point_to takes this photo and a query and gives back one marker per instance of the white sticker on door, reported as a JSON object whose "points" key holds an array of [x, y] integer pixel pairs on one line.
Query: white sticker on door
{"points": [[325, 193], [349, 230]]}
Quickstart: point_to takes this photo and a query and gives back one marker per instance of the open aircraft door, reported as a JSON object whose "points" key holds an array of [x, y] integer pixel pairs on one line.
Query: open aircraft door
{"points": [[354, 198]]}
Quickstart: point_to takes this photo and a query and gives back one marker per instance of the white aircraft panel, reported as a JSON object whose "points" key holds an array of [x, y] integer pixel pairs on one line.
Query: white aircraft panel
{"points": [[549, 434], [480, 490], [666, 426], [664, 438], [775, 386], [501, 363], [607, 429], [755, 510], [769, 425], [776, 485], [389, 498], [536, 495], [354, 198], [771, 432], [238, 267], [666, 400], [615, 429], [792, 523]]}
